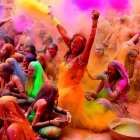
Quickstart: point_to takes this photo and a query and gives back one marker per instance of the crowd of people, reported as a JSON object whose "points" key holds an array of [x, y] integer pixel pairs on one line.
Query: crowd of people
{"points": [[41, 92]]}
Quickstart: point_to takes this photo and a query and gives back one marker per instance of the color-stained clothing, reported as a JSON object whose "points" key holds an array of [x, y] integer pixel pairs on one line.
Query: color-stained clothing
{"points": [[15, 124]]}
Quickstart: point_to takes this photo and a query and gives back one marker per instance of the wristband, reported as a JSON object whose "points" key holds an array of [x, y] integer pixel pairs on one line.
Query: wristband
{"points": [[55, 21]]}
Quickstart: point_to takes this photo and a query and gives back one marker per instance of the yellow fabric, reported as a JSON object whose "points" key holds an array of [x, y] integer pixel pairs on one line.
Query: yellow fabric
{"points": [[85, 114]]}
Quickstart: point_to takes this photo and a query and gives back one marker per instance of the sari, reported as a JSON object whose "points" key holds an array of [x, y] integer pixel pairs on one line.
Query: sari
{"points": [[15, 126], [121, 87]]}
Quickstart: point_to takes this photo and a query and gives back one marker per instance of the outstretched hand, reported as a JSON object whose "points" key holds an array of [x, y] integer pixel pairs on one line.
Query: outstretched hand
{"points": [[95, 15]]}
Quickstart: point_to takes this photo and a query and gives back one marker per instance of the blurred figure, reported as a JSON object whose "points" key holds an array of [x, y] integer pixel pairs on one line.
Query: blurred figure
{"points": [[115, 81], [53, 57], [47, 40], [47, 66], [30, 49], [132, 66], [26, 61], [17, 69], [45, 116], [24, 40], [15, 125], [10, 83]]}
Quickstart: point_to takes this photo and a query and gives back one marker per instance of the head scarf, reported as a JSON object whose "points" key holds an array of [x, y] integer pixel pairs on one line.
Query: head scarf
{"points": [[121, 70], [17, 69], [38, 81], [11, 113]]}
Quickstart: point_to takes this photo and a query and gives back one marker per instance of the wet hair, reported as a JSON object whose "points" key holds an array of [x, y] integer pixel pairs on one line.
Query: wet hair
{"points": [[54, 46], [32, 48], [49, 92], [83, 39]]}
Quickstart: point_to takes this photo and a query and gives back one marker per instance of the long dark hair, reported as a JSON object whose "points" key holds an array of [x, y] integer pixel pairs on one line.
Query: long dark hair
{"points": [[84, 40], [48, 92], [32, 48]]}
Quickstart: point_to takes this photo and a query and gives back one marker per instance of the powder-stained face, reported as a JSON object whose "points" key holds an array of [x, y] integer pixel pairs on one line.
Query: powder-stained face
{"points": [[52, 51], [31, 71], [111, 70], [76, 45]]}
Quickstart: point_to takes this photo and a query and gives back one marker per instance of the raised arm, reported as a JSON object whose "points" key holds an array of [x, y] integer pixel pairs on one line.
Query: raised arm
{"points": [[85, 54], [61, 29], [64, 34]]}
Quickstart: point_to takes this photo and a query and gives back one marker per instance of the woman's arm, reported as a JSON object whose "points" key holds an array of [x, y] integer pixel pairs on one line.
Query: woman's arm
{"points": [[28, 112], [85, 54], [61, 29], [64, 34], [41, 124], [55, 122], [93, 94], [118, 89]]}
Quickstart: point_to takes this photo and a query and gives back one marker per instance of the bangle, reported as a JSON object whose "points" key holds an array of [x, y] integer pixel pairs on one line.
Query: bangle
{"points": [[55, 21]]}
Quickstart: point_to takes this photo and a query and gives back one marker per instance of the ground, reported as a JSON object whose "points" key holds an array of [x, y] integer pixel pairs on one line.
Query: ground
{"points": [[80, 134]]}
